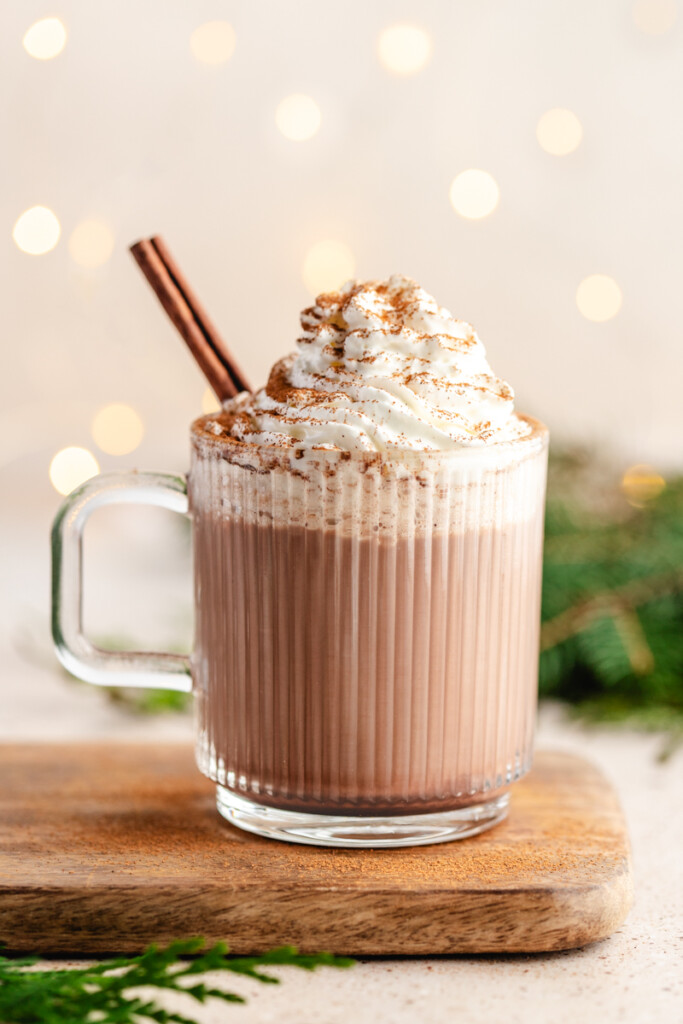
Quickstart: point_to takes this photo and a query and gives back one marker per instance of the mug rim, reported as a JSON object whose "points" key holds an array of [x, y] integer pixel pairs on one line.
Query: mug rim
{"points": [[208, 442]]}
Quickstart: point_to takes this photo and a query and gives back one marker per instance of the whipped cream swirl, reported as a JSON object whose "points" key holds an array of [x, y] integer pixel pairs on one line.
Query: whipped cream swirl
{"points": [[380, 366]]}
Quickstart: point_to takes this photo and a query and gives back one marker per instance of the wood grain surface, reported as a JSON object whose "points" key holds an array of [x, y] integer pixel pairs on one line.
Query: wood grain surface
{"points": [[105, 848]]}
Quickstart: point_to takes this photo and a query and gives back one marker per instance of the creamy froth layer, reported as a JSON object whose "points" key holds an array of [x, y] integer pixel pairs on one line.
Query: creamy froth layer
{"points": [[380, 366], [366, 494]]}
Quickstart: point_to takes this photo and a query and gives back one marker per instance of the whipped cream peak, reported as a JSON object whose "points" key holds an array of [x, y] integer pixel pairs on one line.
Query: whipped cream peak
{"points": [[380, 366]]}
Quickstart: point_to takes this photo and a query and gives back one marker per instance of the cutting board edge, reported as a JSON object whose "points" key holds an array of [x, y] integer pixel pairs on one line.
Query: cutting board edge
{"points": [[547, 921]]}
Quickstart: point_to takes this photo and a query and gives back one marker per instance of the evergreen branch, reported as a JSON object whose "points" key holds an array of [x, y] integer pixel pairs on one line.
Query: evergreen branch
{"points": [[105, 992], [611, 603], [612, 634], [635, 642]]}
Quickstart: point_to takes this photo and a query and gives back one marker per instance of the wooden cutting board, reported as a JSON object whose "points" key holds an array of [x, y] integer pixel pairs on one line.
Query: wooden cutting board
{"points": [[105, 848]]}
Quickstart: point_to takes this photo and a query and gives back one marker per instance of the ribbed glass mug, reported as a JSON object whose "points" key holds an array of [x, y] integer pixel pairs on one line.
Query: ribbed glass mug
{"points": [[366, 631]]}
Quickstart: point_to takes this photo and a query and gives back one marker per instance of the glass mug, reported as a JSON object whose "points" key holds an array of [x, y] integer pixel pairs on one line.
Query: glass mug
{"points": [[366, 631]]}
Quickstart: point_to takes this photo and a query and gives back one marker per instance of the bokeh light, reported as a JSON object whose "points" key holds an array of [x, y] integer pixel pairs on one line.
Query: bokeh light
{"points": [[641, 484], [45, 39], [559, 131], [298, 117], [327, 266], [117, 429], [404, 49], [474, 194], [71, 467], [213, 42], [91, 243], [599, 297], [654, 17], [209, 402], [36, 231]]}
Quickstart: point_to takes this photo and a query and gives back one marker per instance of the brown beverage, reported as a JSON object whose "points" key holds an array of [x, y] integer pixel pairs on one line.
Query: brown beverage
{"points": [[368, 550], [366, 635], [427, 705]]}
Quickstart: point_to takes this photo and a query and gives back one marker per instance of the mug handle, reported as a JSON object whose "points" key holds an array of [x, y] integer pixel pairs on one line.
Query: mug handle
{"points": [[74, 650]]}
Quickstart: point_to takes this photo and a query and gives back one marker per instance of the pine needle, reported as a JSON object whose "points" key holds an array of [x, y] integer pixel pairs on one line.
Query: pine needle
{"points": [[612, 633], [108, 992]]}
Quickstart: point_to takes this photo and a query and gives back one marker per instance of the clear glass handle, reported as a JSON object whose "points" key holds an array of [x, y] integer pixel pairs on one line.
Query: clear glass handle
{"points": [[76, 653]]}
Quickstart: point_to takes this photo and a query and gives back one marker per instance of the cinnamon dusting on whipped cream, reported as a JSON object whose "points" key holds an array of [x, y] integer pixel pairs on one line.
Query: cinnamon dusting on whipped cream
{"points": [[379, 366]]}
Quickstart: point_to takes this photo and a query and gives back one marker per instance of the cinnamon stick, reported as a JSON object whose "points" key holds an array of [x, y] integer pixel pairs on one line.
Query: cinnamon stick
{"points": [[189, 317]]}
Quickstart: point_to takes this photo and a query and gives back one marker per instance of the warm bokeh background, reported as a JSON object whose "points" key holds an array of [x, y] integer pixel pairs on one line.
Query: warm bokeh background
{"points": [[131, 128], [124, 119]]}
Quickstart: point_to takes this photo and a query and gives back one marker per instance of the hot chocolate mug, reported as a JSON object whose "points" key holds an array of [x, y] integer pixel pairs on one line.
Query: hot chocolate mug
{"points": [[366, 631]]}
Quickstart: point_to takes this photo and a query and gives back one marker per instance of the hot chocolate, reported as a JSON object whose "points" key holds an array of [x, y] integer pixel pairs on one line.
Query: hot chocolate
{"points": [[366, 676], [368, 533]]}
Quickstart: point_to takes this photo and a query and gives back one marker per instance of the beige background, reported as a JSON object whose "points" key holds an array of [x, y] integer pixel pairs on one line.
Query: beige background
{"points": [[128, 128]]}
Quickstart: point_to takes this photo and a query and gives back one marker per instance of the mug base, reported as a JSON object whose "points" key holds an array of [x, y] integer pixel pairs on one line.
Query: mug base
{"points": [[346, 831]]}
